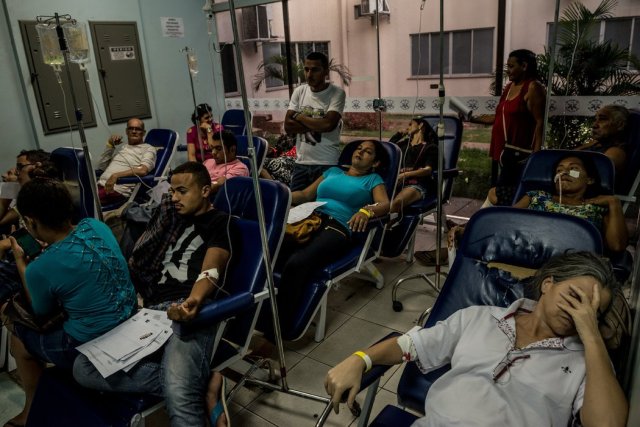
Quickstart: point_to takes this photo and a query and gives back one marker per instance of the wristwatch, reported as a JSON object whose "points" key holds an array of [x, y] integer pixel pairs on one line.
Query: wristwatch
{"points": [[295, 115]]}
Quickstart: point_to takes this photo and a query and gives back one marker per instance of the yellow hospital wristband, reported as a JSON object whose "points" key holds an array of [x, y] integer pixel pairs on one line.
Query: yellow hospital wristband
{"points": [[367, 360], [367, 212]]}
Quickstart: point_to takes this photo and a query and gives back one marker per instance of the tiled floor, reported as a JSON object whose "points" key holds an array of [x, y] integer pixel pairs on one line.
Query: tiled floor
{"points": [[358, 315]]}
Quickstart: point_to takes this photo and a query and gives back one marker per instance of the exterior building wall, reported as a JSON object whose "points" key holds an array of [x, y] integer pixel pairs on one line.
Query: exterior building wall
{"points": [[352, 42]]}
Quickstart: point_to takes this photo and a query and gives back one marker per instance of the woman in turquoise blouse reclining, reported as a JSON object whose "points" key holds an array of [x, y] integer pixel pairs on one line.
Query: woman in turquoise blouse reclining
{"points": [[352, 198]]}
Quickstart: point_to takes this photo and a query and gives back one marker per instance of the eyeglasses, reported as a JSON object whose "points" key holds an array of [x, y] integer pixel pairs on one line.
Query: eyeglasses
{"points": [[135, 129], [507, 362], [20, 166]]}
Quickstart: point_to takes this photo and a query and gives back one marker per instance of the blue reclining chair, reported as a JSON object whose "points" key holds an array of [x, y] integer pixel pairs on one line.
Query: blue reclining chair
{"points": [[242, 151], [403, 235], [493, 237], [358, 260], [165, 141], [233, 120], [73, 172], [60, 401], [538, 175]]}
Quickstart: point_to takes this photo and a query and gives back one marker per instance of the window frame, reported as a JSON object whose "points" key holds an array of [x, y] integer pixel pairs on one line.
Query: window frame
{"points": [[431, 37]]}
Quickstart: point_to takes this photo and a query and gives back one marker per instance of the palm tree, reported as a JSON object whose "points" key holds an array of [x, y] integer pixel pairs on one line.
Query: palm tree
{"points": [[275, 67], [588, 67], [585, 66]]}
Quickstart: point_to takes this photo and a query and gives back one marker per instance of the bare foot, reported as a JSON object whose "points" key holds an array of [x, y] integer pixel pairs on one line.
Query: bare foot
{"points": [[212, 398]]}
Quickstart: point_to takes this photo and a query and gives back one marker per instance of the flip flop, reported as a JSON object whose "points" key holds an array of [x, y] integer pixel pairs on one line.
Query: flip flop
{"points": [[428, 258], [220, 408]]}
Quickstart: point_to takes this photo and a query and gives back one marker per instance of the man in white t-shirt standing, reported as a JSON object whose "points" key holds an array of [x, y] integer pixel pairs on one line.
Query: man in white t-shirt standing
{"points": [[315, 114], [133, 159]]}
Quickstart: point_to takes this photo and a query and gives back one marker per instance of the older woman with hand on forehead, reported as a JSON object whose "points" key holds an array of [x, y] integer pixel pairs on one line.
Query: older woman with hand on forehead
{"points": [[533, 363]]}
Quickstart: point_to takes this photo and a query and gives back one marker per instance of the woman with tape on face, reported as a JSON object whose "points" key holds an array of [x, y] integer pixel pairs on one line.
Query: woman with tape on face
{"points": [[574, 176]]}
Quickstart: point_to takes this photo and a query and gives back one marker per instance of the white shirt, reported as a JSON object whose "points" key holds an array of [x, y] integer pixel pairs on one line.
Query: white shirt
{"points": [[316, 148], [546, 389], [128, 157]]}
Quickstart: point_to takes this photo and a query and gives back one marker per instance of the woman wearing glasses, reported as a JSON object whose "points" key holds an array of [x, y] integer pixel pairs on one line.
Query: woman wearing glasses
{"points": [[533, 363], [199, 143]]}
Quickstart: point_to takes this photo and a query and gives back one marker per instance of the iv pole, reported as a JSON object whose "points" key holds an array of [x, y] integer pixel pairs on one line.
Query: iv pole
{"points": [[283, 387], [188, 51], [78, 113], [438, 273]]}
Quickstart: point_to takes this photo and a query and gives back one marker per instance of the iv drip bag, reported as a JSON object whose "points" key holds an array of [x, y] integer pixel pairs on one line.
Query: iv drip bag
{"points": [[49, 45], [76, 35], [193, 63]]}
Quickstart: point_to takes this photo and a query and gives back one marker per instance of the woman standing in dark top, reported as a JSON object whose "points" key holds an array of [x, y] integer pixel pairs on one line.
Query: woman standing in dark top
{"points": [[419, 145], [518, 122]]}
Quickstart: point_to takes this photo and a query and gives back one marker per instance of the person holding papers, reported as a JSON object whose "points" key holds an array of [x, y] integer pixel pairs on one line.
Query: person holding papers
{"points": [[351, 198], [177, 266], [80, 270]]}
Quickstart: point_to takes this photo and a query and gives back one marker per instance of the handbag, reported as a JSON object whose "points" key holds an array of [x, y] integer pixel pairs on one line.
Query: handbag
{"points": [[302, 230], [18, 311]]}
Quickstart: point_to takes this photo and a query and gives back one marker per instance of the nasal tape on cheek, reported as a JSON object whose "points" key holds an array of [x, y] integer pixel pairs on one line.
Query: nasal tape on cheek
{"points": [[574, 173], [210, 275]]}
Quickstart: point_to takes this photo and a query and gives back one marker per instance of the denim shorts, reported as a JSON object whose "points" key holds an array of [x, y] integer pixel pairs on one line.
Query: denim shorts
{"points": [[55, 347], [419, 188]]}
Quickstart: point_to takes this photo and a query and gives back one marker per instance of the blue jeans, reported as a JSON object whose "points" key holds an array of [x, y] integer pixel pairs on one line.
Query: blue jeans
{"points": [[54, 346], [180, 373], [304, 175]]}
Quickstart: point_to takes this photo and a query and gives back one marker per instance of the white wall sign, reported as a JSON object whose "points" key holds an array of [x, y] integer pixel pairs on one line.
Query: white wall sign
{"points": [[172, 27], [122, 53]]}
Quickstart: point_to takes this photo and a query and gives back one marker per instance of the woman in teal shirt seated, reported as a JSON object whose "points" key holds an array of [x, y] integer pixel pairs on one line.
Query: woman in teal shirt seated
{"points": [[81, 270], [352, 197]]}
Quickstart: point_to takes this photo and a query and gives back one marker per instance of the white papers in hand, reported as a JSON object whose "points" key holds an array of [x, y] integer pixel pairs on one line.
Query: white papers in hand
{"points": [[123, 346], [302, 211]]}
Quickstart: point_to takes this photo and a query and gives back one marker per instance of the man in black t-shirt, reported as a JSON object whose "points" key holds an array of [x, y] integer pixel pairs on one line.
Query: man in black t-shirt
{"points": [[177, 265]]}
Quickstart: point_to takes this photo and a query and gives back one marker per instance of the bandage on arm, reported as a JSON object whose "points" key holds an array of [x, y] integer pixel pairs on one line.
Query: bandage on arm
{"points": [[408, 348], [211, 275]]}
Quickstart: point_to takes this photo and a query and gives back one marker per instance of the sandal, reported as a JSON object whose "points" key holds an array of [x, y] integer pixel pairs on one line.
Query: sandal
{"points": [[221, 406], [428, 258]]}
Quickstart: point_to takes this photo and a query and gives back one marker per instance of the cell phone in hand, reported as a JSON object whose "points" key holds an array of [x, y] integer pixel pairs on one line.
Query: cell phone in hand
{"points": [[29, 245]]}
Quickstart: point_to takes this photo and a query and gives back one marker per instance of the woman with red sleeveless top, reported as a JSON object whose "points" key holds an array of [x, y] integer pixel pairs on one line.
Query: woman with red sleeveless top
{"points": [[518, 122]]}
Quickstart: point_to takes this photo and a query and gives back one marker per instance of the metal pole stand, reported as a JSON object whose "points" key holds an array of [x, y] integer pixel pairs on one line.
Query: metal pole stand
{"points": [[427, 277], [283, 387], [76, 109]]}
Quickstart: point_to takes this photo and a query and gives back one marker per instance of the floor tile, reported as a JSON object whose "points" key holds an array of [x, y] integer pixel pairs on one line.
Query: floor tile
{"points": [[380, 310], [351, 295], [383, 398], [11, 398], [248, 418], [335, 319], [392, 383], [354, 335], [287, 410]]}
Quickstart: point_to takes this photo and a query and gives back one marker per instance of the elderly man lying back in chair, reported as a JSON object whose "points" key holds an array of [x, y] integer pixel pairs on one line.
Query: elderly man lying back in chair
{"points": [[533, 363]]}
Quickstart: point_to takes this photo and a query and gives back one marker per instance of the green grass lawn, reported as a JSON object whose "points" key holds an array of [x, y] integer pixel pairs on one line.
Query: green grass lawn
{"points": [[476, 174]]}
